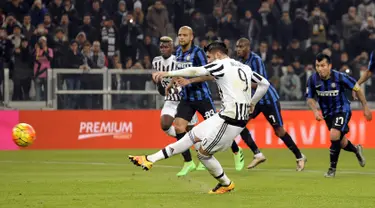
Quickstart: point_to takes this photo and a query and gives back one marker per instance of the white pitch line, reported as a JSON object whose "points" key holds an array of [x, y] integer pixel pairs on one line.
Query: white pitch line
{"points": [[177, 167]]}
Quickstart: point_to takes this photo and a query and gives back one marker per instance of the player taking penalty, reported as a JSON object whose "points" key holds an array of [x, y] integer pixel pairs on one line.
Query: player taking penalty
{"points": [[217, 132], [329, 87]]}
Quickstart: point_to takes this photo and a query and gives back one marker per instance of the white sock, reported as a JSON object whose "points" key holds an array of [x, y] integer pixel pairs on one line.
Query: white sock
{"points": [[214, 168], [171, 131], [259, 155], [173, 149]]}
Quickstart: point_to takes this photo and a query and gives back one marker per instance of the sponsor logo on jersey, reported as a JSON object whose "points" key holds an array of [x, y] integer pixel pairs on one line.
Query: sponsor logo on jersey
{"points": [[329, 93]]}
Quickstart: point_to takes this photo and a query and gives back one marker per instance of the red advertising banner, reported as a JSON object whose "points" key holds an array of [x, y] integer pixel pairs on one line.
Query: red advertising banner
{"points": [[141, 129]]}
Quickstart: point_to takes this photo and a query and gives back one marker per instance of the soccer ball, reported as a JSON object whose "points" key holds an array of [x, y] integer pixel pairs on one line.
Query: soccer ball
{"points": [[23, 134]]}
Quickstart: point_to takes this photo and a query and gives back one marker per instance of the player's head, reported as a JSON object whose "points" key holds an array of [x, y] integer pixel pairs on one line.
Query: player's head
{"points": [[185, 36], [166, 46], [216, 50], [243, 47], [323, 65]]}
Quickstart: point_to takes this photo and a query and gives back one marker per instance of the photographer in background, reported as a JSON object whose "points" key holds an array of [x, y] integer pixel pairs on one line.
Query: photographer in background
{"points": [[43, 58], [128, 38]]}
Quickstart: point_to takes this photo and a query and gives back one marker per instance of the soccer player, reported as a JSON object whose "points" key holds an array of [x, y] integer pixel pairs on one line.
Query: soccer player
{"points": [[196, 96], [329, 87], [167, 62], [269, 106], [217, 132], [367, 74]]}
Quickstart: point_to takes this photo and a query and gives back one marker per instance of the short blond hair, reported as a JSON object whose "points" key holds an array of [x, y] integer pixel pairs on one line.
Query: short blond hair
{"points": [[166, 39]]}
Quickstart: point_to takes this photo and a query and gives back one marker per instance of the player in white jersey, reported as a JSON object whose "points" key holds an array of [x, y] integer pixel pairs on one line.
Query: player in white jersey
{"points": [[217, 132], [165, 63]]}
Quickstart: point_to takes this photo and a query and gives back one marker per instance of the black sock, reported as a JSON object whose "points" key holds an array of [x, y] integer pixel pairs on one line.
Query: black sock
{"points": [[246, 137], [186, 154], [334, 153], [350, 147], [288, 141], [235, 147]]}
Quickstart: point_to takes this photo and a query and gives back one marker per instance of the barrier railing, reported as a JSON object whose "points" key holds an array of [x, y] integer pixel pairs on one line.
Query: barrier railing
{"points": [[107, 92]]}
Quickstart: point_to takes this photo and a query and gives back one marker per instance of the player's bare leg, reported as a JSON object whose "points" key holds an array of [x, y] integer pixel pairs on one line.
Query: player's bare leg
{"points": [[288, 141], [189, 165], [166, 122], [334, 152], [357, 150], [258, 155]]}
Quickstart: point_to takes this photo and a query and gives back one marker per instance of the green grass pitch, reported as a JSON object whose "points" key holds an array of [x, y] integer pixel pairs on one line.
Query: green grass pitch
{"points": [[105, 178]]}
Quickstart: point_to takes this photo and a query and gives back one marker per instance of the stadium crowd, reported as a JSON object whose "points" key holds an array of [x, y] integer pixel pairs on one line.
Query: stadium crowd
{"points": [[123, 34]]}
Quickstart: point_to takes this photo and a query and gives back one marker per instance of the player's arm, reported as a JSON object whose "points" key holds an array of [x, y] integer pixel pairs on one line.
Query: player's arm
{"points": [[188, 72], [200, 79], [310, 98], [368, 73], [351, 84], [262, 87]]}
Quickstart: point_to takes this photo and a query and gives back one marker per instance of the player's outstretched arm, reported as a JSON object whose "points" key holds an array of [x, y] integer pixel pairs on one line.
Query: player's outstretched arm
{"points": [[188, 72]]}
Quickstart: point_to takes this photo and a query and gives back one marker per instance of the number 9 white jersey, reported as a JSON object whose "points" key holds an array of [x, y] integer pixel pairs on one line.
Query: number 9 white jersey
{"points": [[234, 82]]}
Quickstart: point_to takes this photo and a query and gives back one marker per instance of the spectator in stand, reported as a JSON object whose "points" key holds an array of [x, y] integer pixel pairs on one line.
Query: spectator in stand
{"points": [[366, 9], [56, 10], [71, 12], [267, 22], [198, 24], [128, 35], [109, 37], [42, 62], [27, 28], [318, 26], [81, 40], [300, 25], [290, 85], [37, 13], [138, 14], [157, 19], [90, 31], [10, 22], [97, 14], [228, 27], [23, 72], [68, 27], [249, 27], [351, 23], [264, 53], [73, 60], [294, 52], [214, 19], [120, 14], [48, 24], [16, 7], [6, 51], [285, 28], [148, 48], [60, 48], [16, 37]]}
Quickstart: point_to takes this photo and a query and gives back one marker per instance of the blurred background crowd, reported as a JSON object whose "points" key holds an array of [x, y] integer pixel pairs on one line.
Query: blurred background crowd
{"points": [[123, 34]]}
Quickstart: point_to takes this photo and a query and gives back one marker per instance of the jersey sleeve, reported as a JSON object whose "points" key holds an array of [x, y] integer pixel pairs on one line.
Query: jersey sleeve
{"points": [[348, 81], [256, 78], [371, 64], [200, 58], [215, 69], [310, 92]]}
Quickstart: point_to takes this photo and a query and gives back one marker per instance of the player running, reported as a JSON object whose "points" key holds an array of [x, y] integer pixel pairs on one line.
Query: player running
{"points": [[329, 87], [269, 106], [196, 96], [217, 132], [167, 62]]}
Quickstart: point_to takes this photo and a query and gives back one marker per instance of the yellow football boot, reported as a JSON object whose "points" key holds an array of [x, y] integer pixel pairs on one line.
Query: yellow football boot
{"points": [[141, 161], [221, 189]]}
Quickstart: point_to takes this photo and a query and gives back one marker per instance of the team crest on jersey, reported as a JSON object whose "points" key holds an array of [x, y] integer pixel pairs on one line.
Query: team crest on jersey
{"points": [[333, 85]]}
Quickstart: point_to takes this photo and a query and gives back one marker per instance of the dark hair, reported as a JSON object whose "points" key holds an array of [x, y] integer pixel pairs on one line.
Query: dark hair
{"points": [[217, 45], [321, 56]]}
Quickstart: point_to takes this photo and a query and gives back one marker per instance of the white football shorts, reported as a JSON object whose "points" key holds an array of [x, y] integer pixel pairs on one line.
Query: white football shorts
{"points": [[216, 134], [170, 108]]}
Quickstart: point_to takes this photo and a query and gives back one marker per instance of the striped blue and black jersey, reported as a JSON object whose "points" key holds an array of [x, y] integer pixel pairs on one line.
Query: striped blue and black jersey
{"points": [[371, 64], [257, 65], [330, 93], [195, 56]]}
